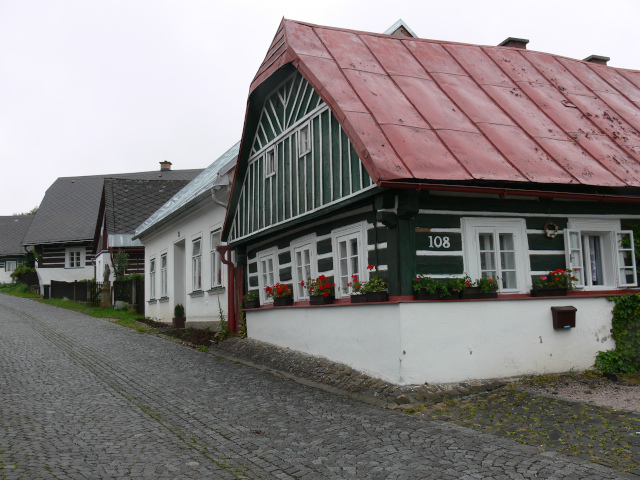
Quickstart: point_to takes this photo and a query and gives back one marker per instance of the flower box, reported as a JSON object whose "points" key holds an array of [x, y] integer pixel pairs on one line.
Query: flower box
{"points": [[282, 301], [437, 295], [247, 304], [549, 292], [423, 295], [320, 299], [476, 292], [453, 296], [359, 298], [381, 296]]}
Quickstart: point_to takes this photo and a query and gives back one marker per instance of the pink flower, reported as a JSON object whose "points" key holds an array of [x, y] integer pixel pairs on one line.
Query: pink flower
{"points": [[543, 278]]}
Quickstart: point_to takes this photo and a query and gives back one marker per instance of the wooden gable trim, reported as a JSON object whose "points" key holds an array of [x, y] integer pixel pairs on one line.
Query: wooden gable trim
{"points": [[301, 183]]}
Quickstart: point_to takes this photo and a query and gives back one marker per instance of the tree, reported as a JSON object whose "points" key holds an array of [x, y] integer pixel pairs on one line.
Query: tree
{"points": [[30, 212], [120, 263]]}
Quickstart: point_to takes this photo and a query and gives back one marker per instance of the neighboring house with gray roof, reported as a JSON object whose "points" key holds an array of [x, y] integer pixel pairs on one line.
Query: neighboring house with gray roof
{"points": [[12, 253], [65, 227], [126, 203], [180, 239]]}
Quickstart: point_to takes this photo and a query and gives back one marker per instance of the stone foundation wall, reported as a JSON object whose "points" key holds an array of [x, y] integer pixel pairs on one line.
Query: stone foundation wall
{"points": [[340, 378]]}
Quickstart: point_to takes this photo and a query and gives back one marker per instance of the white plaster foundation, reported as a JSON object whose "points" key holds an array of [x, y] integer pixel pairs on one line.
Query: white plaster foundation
{"points": [[442, 342]]}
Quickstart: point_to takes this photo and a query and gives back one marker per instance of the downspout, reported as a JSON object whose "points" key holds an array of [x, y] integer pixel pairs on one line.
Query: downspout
{"points": [[225, 256]]}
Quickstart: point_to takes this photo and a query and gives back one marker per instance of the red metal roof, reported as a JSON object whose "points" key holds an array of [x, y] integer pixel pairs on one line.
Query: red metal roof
{"points": [[419, 109]]}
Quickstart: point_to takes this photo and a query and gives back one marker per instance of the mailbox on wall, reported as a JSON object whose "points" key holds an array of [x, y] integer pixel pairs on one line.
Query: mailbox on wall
{"points": [[564, 317]]}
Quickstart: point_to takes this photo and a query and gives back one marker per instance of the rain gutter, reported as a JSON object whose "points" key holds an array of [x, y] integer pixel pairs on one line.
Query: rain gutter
{"points": [[503, 192]]}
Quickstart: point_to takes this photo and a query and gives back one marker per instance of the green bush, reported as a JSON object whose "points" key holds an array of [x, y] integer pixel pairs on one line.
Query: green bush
{"points": [[626, 332], [21, 270], [133, 276]]}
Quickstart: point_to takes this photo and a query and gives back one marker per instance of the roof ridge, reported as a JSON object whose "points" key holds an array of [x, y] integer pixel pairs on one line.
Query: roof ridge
{"points": [[448, 42]]}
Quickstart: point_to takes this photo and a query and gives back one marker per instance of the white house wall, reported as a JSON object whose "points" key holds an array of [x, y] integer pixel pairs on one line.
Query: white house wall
{"points": [[442, 342], [199, 308], [45, 275]]}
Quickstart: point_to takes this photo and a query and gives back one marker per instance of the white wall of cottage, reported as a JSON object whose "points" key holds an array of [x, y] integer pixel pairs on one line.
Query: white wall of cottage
{"points": [[442, 342], [201, 308], [45, 275], [5, 277]]}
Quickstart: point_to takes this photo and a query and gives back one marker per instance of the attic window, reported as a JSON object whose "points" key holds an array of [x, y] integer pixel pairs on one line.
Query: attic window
{"points": [[304, 140], [270, 162]]}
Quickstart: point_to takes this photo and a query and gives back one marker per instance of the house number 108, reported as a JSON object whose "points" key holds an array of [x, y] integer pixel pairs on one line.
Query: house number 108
{"points": [[439, 242]]}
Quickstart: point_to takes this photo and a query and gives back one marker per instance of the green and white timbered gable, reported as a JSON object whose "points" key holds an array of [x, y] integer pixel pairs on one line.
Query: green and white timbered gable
{"points": [[300, 162]]}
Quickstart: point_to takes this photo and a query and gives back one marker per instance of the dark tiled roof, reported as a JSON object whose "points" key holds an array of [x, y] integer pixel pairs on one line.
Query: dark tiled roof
{"points": [[425, 110], [129, 202], [12, 230], [70, 207]]}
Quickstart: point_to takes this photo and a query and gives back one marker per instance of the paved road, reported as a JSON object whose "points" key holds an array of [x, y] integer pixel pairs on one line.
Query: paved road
{"points": [[84, 398]]}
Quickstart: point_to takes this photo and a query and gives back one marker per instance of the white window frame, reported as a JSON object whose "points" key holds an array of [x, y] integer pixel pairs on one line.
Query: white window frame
{"points": [[217, 275], [609, 231], [304, 147], [298, 247], [473, 226], [270, 169], [74, 257], [266, 279], [152, 278], [164, 261], [196, 264], [358, 232], [10, 265]]}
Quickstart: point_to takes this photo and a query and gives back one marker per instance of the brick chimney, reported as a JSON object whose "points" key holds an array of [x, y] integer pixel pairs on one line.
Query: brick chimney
{"points": [[515, 43], [165, 166], [597, 59]]}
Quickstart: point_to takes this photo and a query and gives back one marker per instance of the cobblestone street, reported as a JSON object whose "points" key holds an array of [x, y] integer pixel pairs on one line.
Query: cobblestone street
{"points": [[81, 397]]}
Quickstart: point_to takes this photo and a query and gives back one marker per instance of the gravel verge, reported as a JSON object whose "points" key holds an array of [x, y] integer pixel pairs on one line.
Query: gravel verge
{"points": [[590, 388]]}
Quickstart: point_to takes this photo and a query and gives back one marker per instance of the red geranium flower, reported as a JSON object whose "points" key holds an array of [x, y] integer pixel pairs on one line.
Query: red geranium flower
{"points": [[326, 294]]}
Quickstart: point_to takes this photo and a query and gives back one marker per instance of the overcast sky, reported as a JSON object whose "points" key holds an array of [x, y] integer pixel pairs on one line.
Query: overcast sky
{"points": [[95, 87]]}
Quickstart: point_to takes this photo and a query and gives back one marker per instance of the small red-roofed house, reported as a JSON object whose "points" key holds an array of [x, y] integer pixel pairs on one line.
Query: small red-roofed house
{"points": [[439, 159]]}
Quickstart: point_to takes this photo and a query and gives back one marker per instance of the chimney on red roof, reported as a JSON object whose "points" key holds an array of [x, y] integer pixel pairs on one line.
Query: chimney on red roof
{"points": [[597, 59], [515, 43], [165, 166]]}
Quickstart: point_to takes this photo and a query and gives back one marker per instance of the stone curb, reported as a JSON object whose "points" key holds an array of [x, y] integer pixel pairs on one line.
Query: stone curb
{"points": [[340, 379]]}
